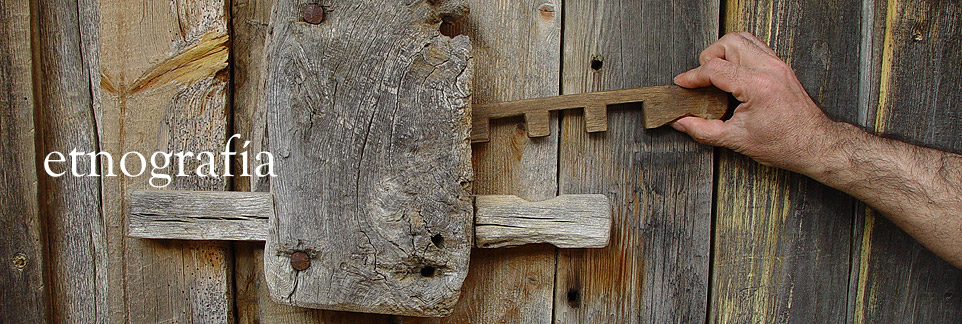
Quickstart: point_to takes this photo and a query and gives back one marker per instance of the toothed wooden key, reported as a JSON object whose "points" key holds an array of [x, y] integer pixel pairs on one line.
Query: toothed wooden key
{"points": [[660, 105]]}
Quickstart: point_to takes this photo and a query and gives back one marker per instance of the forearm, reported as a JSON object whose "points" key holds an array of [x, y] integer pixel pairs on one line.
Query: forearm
{"points": [[919, 189]]}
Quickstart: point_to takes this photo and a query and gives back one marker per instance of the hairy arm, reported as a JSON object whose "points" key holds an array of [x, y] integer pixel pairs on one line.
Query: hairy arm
{"points": [[777, 124]]}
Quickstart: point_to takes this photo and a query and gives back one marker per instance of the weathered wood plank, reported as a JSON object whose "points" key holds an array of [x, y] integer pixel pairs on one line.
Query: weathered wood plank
{"points": [[361, 106], [199, 215], [21, 248], [76, 260], [656, 267], [781, 239], [566, 221], [249, 21], [164, 88], [916, 100], [661, 105], [512, 285]]}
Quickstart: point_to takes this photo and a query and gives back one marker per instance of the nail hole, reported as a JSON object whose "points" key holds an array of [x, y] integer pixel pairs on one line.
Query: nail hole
{"points": [[948, 296], [427, 271], [437, 239], [574, 297], [596, 64]]}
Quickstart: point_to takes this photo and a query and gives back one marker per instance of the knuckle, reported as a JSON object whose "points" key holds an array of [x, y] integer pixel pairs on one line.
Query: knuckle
{"points": [[730, 36]]}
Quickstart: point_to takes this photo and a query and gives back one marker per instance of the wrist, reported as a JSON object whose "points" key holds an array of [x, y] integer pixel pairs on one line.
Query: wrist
{"points": [[828, 159]]}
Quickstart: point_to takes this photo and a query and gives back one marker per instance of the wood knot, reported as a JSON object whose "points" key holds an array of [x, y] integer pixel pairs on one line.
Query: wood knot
{"points": [[917, 34], [20, 261], [547, 10]]}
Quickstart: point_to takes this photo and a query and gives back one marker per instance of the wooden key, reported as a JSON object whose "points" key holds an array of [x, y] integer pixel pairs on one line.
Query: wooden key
{"points": [[660, 105]]}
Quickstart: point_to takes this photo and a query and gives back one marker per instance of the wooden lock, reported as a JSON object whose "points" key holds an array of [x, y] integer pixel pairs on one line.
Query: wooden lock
{"points": [[371, 209]]}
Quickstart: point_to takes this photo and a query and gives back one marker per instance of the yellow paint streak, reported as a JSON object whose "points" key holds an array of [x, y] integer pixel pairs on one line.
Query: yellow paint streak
{"points": [[196, 63], [888, 50], [866, 252]]}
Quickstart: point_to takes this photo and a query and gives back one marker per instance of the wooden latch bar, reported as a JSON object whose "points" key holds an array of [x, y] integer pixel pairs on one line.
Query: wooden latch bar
{"points": [[566, 221], [660, 105]]}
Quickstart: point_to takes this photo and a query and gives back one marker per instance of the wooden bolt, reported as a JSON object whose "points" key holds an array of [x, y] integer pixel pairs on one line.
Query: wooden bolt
{"points": [[300, 261], [313, 13]]}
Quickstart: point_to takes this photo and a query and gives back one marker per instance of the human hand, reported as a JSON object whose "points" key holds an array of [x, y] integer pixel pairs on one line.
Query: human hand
{"points": [[776, 124]]}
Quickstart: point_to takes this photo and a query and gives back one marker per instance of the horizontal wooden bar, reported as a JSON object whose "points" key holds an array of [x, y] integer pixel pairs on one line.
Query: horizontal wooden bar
{"points": [[566, 221], [199, 215]]}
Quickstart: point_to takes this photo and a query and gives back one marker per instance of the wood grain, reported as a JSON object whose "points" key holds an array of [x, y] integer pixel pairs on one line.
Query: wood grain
{"points": [[199, 215], [661, 105], [163, 83], [512, 285], [21, 246], [655, 269], [917, 100], [250, 20], [76, 261], [566, 221], [360, 108], [782, 240]]}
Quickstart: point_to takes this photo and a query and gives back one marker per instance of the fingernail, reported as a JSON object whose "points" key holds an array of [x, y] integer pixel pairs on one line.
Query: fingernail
{"points": [[678, 126]]}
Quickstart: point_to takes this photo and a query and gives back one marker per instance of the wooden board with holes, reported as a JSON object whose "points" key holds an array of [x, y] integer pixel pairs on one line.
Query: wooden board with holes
{"points": [[918, 64], [781, 239], [659, 181], [250, 21], [512, 285], [163, 86], [354, 130]]}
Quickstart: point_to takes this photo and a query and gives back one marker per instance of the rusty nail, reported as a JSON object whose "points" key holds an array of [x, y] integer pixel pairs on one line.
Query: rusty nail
{"points": [[300, 261], [313, 13]]}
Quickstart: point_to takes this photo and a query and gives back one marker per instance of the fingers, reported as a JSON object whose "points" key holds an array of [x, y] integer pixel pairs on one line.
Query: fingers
{"points": [[706, 131], [734, 47], [719, 72]]}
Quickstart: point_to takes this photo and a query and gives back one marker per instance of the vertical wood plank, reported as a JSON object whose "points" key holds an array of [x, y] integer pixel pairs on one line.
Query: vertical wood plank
{"points": [[76, 259], [164, 88], [249, 23], [512, 285], [360, 108], [917, 100], [781, 239], [21, 248], [659, 181]]}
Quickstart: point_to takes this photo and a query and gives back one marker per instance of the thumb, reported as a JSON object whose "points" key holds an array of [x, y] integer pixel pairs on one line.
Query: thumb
{"points": [[705, 131]]}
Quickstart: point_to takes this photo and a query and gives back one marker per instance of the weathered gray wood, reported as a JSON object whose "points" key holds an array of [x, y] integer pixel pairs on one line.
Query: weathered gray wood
{"points": [[21, 248], [661, 105], [659, 181], [164, 88], [917, 99], [513, 285], [782, 240], [566, 221], [199, 215], [249, 21], [76, 259], [368, 114]]}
